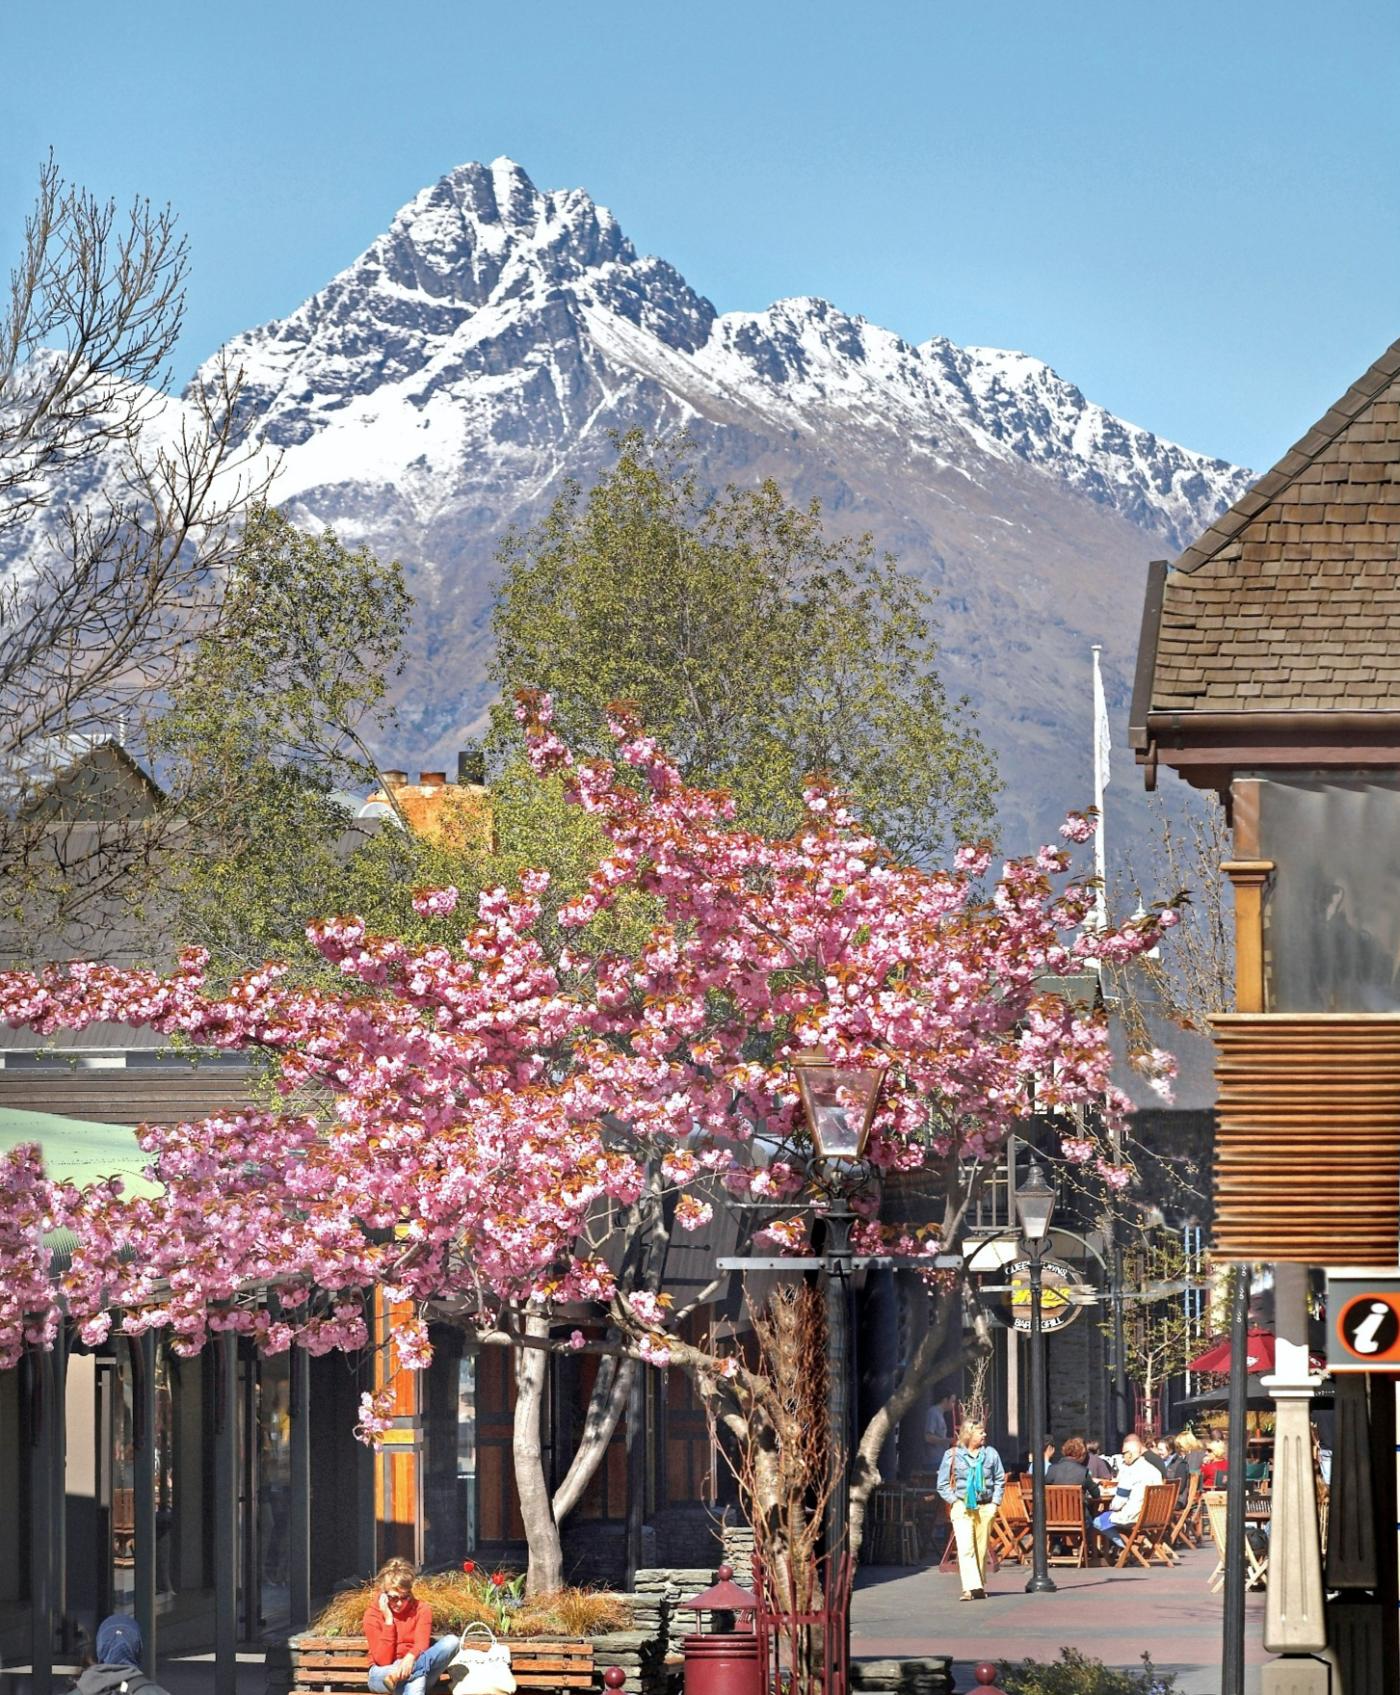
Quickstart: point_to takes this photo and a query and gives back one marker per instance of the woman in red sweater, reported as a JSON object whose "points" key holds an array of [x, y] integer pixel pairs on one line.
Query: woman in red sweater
{"points": [[399, 1630]]}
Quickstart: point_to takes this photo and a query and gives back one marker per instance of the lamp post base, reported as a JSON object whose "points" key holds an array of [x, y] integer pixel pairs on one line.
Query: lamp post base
{"points": [[1042, 1586]]}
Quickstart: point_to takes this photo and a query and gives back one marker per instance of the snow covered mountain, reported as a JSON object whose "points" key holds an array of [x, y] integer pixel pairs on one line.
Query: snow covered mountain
{"points": [[484, 347]]}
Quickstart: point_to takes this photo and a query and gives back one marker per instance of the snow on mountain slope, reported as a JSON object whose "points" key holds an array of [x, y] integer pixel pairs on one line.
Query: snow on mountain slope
{"points": [[484, 348], [494, 324]]}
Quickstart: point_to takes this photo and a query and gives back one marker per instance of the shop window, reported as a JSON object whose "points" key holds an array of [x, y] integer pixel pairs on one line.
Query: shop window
{"points": [[1332, 917]]}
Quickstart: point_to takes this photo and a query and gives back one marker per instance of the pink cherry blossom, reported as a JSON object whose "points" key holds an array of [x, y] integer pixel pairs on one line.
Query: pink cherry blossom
{"points": [[491, 1111]]}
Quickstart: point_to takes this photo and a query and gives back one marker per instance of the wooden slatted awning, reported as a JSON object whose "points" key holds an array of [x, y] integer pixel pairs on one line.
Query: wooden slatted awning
{"points": [[1307, 1149]]}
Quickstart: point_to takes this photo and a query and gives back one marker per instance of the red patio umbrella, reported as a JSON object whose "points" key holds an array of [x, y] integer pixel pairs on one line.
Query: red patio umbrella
{"points": [[1258, 1355]]}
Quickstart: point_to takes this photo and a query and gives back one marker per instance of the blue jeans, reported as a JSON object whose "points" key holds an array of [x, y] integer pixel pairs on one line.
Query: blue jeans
{"points": [[1104, 1522], [425, 1669]]}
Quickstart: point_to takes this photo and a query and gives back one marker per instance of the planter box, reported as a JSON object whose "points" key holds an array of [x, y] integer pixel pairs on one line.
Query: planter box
{"points": [[331, 1665]]}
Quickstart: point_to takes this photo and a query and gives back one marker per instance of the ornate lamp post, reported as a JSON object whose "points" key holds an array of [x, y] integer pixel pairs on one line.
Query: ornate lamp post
{"points": [[839, 1102], [1035, 1205]]}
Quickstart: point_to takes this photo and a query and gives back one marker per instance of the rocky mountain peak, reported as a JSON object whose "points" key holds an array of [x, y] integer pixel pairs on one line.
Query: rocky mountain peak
{"points": [[462, 234], [488, 344]]}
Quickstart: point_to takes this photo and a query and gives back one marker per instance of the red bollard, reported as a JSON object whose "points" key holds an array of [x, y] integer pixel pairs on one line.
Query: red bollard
{"points": [[614, 1677], [985, 1675]]}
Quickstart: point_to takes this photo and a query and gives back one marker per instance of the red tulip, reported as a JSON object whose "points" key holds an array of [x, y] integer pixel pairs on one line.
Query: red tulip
{"points": [[468, 1565], [499, 1579]]}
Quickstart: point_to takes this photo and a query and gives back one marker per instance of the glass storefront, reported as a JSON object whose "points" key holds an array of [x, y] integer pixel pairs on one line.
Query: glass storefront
{"points": [[1332, 916]]}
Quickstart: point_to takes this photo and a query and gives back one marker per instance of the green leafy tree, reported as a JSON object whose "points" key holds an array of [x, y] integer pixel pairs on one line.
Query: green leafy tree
{"points": [[277, 713], [275, 727], [757, 648]]}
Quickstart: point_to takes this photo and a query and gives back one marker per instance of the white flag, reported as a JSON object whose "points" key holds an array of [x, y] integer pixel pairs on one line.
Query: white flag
{"points": [[1102, 747], [1102, 744]]}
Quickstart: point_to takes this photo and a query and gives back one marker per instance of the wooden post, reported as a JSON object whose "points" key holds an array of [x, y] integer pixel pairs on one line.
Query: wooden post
{"points": [[1249, 875], [398, 1481]]}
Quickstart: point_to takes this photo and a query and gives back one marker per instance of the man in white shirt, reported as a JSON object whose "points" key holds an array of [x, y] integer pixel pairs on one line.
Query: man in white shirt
{"points": [[1136, 1474]]}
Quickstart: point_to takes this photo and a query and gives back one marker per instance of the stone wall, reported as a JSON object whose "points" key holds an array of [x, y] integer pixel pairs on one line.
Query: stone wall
{"points": [[931, 1675]]}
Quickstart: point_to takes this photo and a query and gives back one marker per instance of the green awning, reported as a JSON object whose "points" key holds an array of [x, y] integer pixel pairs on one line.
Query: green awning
{"points": [[78, 1150]]}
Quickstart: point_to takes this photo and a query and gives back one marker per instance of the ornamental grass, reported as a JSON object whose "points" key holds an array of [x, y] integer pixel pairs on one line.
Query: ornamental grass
{"points": [[460, 1598]]}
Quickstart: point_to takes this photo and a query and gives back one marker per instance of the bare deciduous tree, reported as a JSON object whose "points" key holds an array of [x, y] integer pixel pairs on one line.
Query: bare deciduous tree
{"points": [[1194, 977], [119, 507]]}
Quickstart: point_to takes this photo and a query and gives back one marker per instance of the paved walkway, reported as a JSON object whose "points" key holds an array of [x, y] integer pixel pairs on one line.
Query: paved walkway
{"points": [[1113, 1615]]}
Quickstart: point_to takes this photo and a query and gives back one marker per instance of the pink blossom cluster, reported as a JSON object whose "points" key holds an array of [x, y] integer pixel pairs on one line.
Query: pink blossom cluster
{"points": [[495, 1110]]}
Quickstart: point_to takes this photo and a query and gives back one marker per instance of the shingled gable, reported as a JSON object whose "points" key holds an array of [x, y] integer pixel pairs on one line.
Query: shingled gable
{"points": [[1275, 638]]}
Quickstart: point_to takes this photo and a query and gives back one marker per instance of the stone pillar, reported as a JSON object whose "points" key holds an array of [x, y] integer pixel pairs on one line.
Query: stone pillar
{"points": [[1295, 1624]]}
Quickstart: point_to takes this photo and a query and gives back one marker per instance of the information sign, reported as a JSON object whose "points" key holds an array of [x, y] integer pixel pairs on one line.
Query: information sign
{"points": [[1363, 1322]]}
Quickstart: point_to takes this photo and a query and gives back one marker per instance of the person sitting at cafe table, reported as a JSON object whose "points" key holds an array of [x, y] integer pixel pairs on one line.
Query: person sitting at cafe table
{"points": [[1099, 1468], [1136, 1475], [1215, 1467], [1046, 1459], [1177, 1470], [1192, 1449], [1071, 1468]]}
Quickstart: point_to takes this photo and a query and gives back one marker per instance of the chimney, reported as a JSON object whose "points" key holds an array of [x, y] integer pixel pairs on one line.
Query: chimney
{"points": [[394, 779], [432, 779], [471, 767]]}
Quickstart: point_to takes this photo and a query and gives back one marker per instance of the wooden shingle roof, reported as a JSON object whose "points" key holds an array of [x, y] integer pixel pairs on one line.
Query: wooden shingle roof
{"points": [[1290, 602]]}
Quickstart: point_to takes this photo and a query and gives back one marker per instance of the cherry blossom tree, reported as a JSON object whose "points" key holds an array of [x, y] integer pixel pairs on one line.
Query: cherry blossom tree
{"points": [[507, 1130]]}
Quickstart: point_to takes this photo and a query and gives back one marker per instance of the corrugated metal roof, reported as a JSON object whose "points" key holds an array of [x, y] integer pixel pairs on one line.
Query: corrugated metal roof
{"points": [[97, 1038], [79, 1150]]}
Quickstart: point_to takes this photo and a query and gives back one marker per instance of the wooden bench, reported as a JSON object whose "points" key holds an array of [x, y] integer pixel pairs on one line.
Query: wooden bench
{"points": [[330, 1665]]}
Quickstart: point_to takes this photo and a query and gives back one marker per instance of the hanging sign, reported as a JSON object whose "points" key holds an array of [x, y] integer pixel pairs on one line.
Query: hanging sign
{"points": [[1009, 1301], [1363, 1322]]}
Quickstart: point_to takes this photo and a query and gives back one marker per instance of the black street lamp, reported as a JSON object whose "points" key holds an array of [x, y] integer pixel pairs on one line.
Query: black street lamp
{"points": [[1035, 1205], [839, 1102]]}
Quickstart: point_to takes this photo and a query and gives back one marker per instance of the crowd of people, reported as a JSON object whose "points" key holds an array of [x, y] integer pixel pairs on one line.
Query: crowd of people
{"points": [[972, 1481]]}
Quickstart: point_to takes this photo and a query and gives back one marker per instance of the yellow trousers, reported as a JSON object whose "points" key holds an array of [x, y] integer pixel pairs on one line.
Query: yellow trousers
{"points": [[972, 1527]]}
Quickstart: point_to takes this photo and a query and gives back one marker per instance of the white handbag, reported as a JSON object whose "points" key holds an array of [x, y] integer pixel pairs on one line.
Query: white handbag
{"points": [[481, 1671]]}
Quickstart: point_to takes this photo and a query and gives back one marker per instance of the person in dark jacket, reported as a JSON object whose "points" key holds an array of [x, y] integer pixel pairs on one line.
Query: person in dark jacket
{"points": [[1099, 1468], [115, 1667], [1072, 1467], [1178, 1470]]}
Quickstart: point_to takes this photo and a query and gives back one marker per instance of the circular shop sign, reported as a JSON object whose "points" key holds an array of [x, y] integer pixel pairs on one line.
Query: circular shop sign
{"points": [[1058, 1308]]}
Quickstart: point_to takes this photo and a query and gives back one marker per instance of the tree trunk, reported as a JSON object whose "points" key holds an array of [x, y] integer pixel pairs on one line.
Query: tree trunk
{"points": [[545, 1570], [605, 1408]]}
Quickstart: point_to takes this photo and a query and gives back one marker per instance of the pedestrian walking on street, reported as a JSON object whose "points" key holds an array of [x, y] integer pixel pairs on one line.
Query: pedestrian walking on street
{"points": [[114, 1667], [971, 1480]]}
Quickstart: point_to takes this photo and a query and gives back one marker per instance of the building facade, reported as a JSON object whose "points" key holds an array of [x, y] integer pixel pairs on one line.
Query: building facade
{"points": [[1269, 673]]}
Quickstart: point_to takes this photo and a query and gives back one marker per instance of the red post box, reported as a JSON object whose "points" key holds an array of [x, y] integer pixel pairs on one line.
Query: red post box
{"points": [[723, 1661]]}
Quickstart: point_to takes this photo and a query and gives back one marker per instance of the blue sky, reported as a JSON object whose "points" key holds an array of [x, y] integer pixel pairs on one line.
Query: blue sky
{"points": [[1191, 210]]}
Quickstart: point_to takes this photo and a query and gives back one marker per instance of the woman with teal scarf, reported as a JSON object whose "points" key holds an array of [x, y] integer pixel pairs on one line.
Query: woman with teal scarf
{"points": [[971, 1480]]}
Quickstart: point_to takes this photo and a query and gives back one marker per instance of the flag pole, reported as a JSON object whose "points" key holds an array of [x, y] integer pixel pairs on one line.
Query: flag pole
{"points": [[1101, 754]]}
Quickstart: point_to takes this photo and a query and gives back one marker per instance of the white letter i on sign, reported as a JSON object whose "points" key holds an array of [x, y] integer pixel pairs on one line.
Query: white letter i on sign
{"points": [[1364, 1341]]}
